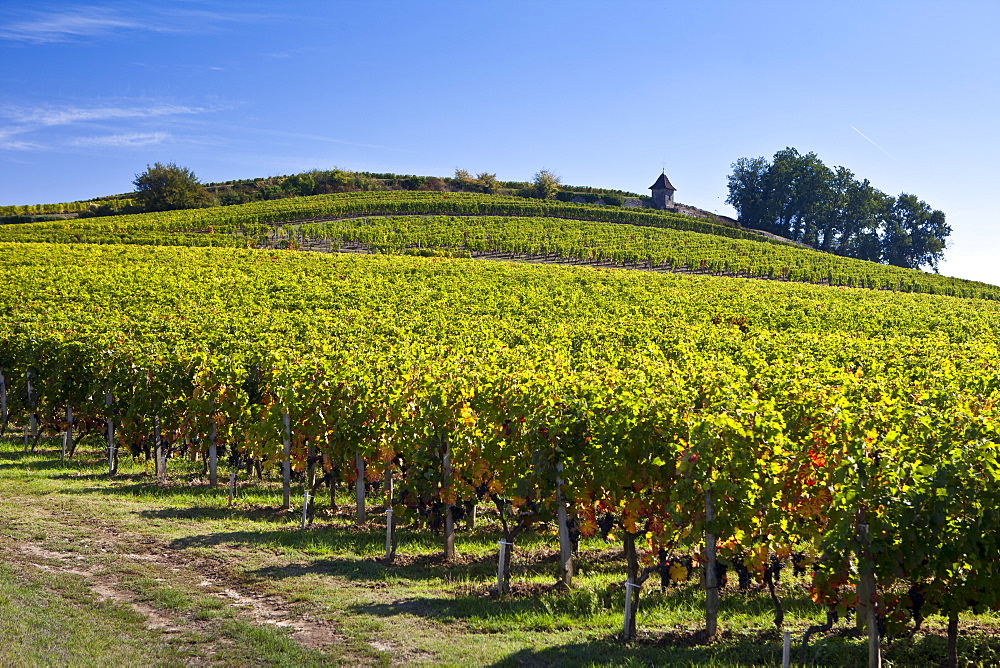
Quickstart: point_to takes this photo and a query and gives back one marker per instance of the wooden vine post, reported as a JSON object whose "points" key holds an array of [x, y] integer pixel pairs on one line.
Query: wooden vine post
{"points": [[565, 544], [952, 659], [112, 456], [67, 444], [633, 584], [32, 425], [503, 567], [866, 593], [232, 480], [359, 486], [160, 454], [213, 452], [286, 463], [305, 506], [309, 484], [311, 465], [866, 579], [390, 519], [3, 403], [449, 514], [711, 575]]}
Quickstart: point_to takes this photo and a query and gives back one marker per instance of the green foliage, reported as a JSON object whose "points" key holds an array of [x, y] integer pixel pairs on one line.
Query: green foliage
{"points": [[482, 223], [315, 182], [546, 184], [914, 233], [165, 187], [434, 183], [484, 182], [488, 182], [231, 197], [463, 179], [267, 192], [80, 208], [18, 220], [798, 197], [800, 406], [300, 185], [365, 182], [412, 182]]}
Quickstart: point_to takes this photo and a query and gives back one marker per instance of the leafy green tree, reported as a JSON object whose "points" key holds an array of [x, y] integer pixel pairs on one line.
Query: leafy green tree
{"points": [[435, 183], [746, 190], [270, 191], [914, 234], [300, 184], [488, 182], [797, 196], [858, 217], [841, 187], [463, 179], [546, 184], [164, 187], [330, 181], [799, 188]]}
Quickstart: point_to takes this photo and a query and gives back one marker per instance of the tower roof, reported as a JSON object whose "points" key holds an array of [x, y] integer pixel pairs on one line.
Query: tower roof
{"points": [[662, 183]]}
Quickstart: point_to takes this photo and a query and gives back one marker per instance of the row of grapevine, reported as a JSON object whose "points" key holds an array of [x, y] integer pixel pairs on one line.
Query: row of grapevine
{"points": [[552, 231], [226, 219], [592, 242], [63, 207], [846, 425]]}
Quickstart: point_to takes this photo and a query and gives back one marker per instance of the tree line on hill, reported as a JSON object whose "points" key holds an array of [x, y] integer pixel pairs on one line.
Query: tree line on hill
{"points": [[796, 196], [164, 187]]}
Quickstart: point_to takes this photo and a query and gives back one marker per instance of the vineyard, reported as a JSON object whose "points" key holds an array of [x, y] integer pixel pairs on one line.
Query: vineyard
{"points": [[609, 244], [466, 224], [704, 427], [64, 207]]}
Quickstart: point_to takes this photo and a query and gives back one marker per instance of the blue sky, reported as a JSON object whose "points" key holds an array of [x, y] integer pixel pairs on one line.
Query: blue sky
{"points": [[905, 94]]}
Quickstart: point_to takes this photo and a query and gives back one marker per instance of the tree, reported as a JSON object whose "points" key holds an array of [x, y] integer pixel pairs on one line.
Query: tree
{"points": [[488, 182], [464, 181], [546, 184], [799, 188], [914, 234], [300, 184], [797, 196], [434, 183], [746, 190], [167, 187], [860, 212]]}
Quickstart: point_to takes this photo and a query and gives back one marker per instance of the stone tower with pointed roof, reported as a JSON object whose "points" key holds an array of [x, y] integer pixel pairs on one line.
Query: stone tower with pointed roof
{"points": [[663, 192]]}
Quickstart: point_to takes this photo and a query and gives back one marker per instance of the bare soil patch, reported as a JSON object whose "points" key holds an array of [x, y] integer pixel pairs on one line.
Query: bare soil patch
{"points": [[308, 630]]}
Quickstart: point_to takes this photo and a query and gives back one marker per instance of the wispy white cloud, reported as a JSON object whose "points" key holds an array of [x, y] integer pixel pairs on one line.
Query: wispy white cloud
{"points": [[312, 137], [132, 123], [122, 141], [181, 67], [20, 146], [68, 25], [53, 116], [91, 21]]}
